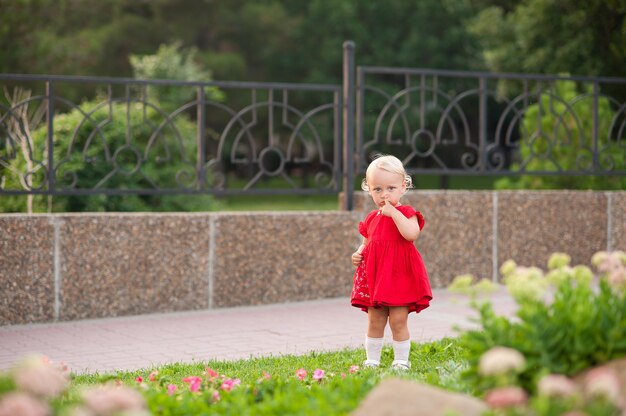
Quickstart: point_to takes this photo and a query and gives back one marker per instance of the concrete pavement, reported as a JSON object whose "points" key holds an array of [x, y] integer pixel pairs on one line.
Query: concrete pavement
{"points": [[141, 342]]}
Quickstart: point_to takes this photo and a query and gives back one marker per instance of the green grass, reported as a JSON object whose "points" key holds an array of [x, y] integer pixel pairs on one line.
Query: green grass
{"points": [[438, 363]]}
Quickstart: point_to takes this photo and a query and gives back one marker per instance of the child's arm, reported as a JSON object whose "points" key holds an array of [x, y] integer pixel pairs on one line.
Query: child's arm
{"points": [[357, 256], [408, 227]]}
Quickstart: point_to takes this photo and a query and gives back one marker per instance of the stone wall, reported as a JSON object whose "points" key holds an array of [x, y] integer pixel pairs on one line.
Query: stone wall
{"points": [[62, 267]]}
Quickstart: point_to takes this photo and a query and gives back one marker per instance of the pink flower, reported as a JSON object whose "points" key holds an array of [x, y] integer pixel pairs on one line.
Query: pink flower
{"points": [[171, 389], [109, 400], [153, 375], [216, 396], [301, 374], [64, 367], [210, 373], [318, 374], [21, 404], [266, 376], [37, 376], [228, 384], [500, 360], [343, 375], [194, 383], [354, 369], [506, 397], [556, 385], [139, 379]]}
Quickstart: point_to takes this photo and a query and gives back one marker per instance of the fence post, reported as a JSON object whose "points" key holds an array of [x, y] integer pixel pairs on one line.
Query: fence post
{"points": [[348, 125], [50, 136], [200, 143], [482, 125]]}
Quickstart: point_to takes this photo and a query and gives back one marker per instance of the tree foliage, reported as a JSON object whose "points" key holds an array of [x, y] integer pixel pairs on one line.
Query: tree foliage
{"points": [[553, 36], [108, 143], [239, 39], [301, 41], [296, 41]]}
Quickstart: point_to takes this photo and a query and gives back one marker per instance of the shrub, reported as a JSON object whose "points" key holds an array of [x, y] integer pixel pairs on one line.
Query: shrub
{"points": [[557, 135], [102, 145], [562, 328]]}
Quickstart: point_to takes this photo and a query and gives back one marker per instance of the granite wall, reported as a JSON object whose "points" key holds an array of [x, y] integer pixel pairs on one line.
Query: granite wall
{"points": [[63, 267]]}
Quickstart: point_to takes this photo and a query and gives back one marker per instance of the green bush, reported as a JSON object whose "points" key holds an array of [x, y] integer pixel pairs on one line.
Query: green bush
{"points": [[557, 136], [102, 145], [560, 329]]}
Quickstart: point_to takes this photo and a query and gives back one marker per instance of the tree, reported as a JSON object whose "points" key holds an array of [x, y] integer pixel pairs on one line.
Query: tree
{"points": [[552, 36], [172, 62]]}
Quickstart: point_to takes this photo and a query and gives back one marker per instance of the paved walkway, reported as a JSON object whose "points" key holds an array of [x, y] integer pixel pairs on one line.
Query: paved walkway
{"points": [[140, 342]]}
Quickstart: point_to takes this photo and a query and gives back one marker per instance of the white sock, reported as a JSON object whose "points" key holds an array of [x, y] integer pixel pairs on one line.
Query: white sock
{"points": [[373, 348], [401, 350]]}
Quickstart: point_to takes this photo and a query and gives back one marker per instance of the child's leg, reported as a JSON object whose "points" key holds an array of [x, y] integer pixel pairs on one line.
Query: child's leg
{"points": [[376, 322], [398, 317]]}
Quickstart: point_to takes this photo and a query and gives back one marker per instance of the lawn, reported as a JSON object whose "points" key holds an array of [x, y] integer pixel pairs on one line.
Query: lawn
{"points": [[329, 383]]}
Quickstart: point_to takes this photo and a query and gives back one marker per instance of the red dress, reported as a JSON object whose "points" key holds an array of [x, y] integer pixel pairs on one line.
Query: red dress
{"points": [[391, 272]]}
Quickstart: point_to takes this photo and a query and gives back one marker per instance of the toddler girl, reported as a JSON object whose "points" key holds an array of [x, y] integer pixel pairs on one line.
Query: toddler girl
{"points": [[390, 280]]}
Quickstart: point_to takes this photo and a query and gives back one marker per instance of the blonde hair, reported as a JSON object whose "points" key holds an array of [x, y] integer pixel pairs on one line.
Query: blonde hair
{"points": [[390, 164]]}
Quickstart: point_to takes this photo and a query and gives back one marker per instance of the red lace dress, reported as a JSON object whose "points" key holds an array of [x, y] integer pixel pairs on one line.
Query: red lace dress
{"points": [[391, 272]]}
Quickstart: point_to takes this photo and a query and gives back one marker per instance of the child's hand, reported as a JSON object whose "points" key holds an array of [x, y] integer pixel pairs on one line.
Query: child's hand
{"points": [[356, 258], [388, 209]]}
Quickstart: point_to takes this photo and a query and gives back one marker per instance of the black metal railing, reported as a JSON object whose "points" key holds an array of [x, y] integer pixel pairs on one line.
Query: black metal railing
{"points": [[87, 135], [144, 137], [472, 123]]}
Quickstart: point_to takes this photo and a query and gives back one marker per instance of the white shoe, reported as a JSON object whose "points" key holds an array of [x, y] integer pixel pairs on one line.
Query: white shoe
{"points": [[401, 365], [371, 364]]}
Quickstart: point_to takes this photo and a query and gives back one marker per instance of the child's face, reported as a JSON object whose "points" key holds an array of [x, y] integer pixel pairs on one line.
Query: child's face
{"points": [[384, 186]]}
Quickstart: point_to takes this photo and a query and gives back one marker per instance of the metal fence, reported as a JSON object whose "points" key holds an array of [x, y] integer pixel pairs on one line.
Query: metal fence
{"points": [[144, 137], [84, 135]]}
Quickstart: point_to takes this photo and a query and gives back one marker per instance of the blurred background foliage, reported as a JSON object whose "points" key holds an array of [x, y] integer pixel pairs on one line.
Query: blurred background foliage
{"points": [[301, 41]]}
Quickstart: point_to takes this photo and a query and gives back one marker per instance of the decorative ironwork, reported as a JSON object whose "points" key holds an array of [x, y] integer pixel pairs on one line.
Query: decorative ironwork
{"points": [[452, 122], [128, 139], [137, 137]]}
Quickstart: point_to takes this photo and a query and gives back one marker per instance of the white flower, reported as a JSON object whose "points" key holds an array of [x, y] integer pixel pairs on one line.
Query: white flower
{"points": [[461, 283], [500, 360], [507, 268], [556, 385], [557, 276], [617, 279], [611, 262], [485, 286], [534, 273], [523, 289], [621, 255], [557, 260], [582, 274], [598, 258]]}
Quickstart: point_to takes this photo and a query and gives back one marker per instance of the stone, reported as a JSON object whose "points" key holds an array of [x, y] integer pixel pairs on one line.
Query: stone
{"points": [[616, 367], [397, 397]]}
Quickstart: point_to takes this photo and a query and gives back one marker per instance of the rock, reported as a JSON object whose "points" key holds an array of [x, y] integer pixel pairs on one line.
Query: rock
{"points": [[396, 397], [616, 368]]}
